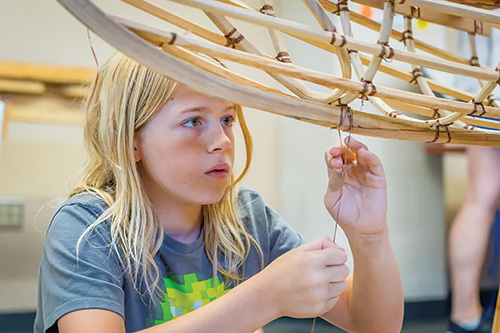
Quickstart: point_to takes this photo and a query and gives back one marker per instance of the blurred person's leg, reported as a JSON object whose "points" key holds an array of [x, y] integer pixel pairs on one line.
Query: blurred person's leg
{"points": [[470, 231]]}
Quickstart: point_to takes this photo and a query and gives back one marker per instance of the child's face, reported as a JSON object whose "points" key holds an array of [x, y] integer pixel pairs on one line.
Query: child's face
{"points": [[186, 151]]}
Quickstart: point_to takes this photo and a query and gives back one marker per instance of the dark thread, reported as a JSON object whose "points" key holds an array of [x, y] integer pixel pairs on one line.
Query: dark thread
{"points": [[345, 112], [174, 37], [267, 9], [343, 41], [284, 56], [384, 53], [476, 104], [415, 12], [474, 61], [438, 132], [342, 6], [417, 72], [407, 34], [491, 99], [231, 42], [394, 114], [230, 33], [478, 27]]}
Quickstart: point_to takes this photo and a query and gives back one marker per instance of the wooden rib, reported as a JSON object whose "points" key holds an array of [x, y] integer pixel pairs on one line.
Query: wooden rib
{"points": [[375, 61], [299, 72], [351, 43], [202, 63], [176, 20], [407, 77], [449, 117], [375, 26], [383, 107], [22, 87], [365, 124], [321, 17], [384, 35], [434, 16], [45, 73], [475, 121]]}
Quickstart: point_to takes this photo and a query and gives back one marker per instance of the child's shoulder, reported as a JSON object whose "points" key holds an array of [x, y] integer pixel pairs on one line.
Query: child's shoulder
{"points": [[79, 212], [86, 200], [251, 206], [247, 194], [249, 199]]}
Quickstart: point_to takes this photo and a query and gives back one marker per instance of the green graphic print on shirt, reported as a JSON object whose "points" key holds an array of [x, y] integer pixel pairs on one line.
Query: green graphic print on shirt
{"points": [[184, 294]]}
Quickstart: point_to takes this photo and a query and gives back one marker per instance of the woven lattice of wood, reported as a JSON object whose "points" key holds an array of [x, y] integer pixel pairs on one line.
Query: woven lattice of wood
{"points": [[427, 117]]}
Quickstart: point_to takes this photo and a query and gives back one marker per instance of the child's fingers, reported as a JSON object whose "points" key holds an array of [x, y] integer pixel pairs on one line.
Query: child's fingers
{"points": [[370, 161], [354, 144], [336, 157]]}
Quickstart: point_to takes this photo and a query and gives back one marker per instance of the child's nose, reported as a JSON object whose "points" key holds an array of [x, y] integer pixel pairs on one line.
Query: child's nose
{"points": [[218, 140]]}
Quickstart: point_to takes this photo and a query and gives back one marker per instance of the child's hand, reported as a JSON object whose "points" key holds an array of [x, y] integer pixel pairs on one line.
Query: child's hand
{"points": [[307, 281], [363, 205]]}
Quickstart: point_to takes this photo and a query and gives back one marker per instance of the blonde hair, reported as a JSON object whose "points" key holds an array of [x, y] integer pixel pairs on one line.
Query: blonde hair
{"points": [[127, 95]]}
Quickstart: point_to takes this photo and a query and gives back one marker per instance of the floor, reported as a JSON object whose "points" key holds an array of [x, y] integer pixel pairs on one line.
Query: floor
{"points": [[304, 326], [23, 323]]}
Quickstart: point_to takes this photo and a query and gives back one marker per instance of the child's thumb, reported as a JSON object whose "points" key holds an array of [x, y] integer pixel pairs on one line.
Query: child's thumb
{"points": [[318, 244]]}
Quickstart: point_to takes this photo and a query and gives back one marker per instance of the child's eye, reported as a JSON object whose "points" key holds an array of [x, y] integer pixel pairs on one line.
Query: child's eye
{"points": [[227, 121], [192, 122]]}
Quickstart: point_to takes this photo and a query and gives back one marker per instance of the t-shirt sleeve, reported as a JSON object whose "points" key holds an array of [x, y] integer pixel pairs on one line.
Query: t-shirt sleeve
{"points": [[91, 280], [282, 238], [274, 235]]}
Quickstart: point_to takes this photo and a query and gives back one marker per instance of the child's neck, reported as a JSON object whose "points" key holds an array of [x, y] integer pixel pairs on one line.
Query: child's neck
{"points": [[182, 223]]}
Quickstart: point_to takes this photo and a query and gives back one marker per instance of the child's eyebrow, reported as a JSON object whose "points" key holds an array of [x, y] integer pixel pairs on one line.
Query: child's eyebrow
{"points": [[204, 108]]}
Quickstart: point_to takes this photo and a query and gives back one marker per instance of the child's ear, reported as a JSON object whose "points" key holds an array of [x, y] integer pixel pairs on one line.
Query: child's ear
{"points": [[137, 152]]}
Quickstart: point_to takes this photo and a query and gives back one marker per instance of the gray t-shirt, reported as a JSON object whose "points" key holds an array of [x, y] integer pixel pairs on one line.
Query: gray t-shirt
{"points": [[97, 279]]}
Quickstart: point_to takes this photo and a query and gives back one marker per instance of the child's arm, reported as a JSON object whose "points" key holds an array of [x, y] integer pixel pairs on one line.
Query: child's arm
{"points": [[305, 282], [373, 301]]}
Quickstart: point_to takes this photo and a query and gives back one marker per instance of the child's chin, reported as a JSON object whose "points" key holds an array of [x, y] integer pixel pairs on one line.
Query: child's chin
{"points": [[213, 197]]}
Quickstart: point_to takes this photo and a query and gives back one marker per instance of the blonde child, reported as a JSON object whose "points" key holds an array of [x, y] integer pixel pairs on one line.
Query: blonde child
{"points": [[158, 236]]}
